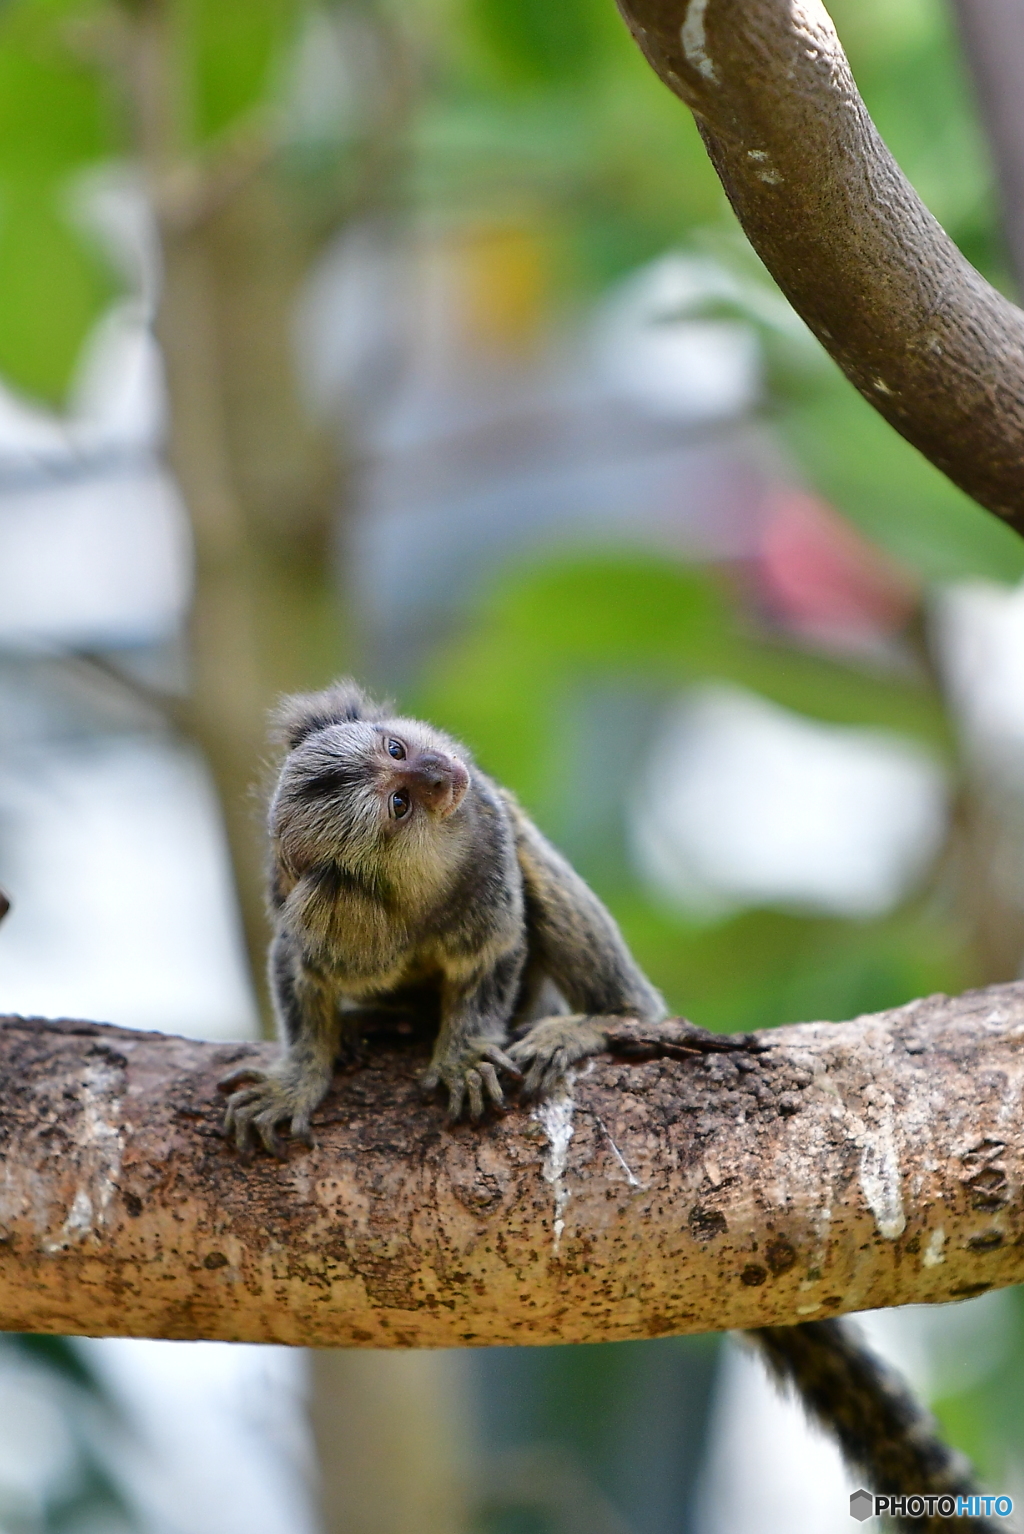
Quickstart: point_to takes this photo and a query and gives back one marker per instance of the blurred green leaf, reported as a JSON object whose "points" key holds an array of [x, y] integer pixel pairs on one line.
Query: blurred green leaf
{"points": [[53, 288], [87, 1493], [534, 42], [234, 49], [762, 968], [56, 1355], [55, 118], [983, 1419], [55, 112], [608, 154]]}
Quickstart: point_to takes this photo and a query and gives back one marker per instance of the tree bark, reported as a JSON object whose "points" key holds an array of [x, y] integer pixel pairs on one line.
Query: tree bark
{"points": [[927, 341], [840, 1167]]}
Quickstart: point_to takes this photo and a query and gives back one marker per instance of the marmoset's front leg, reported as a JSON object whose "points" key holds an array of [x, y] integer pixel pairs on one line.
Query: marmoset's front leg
{"points": [[311, 1029], [475, 1014]]}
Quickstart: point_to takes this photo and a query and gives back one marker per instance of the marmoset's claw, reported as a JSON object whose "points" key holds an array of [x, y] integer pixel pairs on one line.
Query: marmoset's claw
{"points": [[235, 1078], [475, 1089], [504, 1062], [552, 1047], [470, 1076], [254, 1113], [492, 1085], [301, 1129], [456, 1097]]}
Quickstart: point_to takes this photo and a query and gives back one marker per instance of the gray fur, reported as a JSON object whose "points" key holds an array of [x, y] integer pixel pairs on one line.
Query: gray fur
{"points": [[460, 897]]}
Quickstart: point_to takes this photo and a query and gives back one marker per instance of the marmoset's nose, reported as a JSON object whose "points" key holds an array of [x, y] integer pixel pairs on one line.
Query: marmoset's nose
{"points": [[438, 781]]}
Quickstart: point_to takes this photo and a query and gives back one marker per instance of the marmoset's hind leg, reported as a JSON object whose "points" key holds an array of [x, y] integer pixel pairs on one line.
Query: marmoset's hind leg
{"points": [[576, 946], [553, 1045]]}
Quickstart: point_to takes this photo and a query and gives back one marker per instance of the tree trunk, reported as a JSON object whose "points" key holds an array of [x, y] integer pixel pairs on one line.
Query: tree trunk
{"points": [[392, 1441], [258, 479], [840, 1167]]}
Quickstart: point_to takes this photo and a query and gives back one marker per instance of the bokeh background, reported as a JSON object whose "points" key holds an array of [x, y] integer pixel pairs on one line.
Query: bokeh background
{"points": [[418, 341]]}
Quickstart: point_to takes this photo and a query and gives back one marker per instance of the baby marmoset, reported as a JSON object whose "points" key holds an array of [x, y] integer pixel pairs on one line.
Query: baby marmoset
{"points": [[402, 873]]}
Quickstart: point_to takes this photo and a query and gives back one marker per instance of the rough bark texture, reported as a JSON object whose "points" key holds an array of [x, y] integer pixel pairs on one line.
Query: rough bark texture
{"points": [[869, 1163], [920, 333]]}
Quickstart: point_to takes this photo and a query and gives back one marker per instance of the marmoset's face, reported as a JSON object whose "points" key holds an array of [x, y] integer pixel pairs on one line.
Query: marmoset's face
{"points": [[357, 792]]}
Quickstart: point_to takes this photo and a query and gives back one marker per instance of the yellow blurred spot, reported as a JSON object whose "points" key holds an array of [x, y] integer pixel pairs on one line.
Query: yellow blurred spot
{"points": [[505, 280]]}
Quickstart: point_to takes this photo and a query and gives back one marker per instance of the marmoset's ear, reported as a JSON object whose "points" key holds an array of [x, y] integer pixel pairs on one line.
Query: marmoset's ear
{"points": [[304, 713]]}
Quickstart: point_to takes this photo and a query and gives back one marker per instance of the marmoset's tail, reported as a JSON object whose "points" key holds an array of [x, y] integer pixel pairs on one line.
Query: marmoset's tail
{"points": [[883, 1431]]}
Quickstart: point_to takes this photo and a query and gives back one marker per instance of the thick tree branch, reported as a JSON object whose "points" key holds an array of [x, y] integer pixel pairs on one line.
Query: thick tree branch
{"points": [[869, 1163], [920, 333]]}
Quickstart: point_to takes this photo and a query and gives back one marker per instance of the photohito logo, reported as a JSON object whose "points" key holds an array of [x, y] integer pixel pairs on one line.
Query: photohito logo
{"points": [[863, 1504]]}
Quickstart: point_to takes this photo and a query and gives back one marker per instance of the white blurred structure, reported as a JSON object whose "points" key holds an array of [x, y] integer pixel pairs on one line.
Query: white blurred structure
{"points": [[41, 1443], [745, 803], [126, 532], [978, 635], [215, 1436], [655, 349], [124, 909], [111, 844], [95, 547], [767, 1471]]}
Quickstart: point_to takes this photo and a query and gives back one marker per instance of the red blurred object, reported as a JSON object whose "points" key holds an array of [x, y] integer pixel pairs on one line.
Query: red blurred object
{"points": [[817, 575]]}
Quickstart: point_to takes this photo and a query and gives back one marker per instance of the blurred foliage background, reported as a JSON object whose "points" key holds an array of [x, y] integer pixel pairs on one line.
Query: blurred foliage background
{"points": [[528, 148]]}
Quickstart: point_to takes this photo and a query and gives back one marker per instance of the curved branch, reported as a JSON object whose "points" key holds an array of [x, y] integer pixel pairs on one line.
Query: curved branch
{"points": [[919, 332], [871, 1163]]}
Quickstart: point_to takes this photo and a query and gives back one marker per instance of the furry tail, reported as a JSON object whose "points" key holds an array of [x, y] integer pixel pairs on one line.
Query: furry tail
{"points": [[883, 1431]]}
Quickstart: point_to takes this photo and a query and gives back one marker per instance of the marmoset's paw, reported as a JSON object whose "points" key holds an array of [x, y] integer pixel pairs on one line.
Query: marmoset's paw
{"points": [[470, 1072], [255, 1110], [552, 1047]]}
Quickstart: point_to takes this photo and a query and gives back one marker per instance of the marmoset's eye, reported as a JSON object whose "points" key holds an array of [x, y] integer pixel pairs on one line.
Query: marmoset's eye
{"points": [[396, 749], [400, 804]]}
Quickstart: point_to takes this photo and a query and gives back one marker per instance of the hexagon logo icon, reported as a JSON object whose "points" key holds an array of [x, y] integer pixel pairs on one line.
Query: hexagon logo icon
{"points": [[862, 1504]]}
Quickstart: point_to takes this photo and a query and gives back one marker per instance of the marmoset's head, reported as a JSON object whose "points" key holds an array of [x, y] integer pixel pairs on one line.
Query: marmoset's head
{"points": [[361, 788]]}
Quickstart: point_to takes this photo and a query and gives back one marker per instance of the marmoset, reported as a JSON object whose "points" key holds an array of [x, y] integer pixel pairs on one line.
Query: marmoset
{"points": [[405, 880]]}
